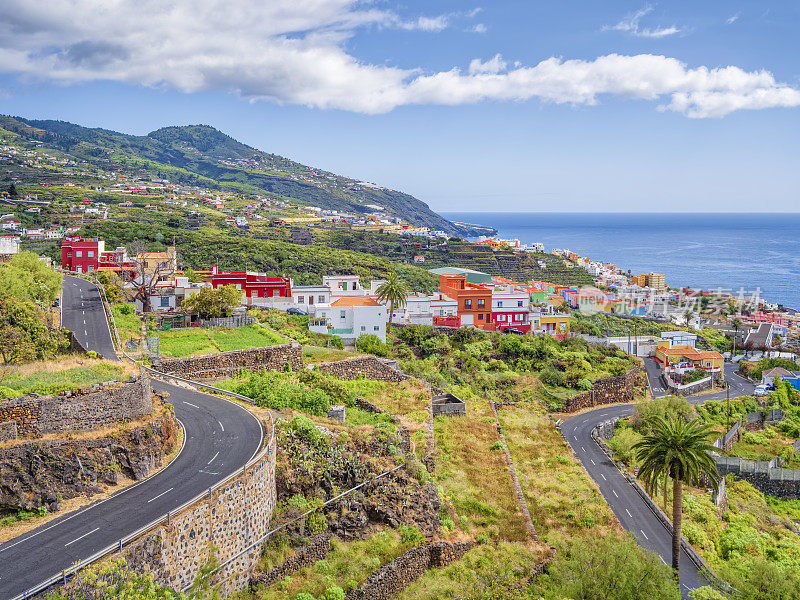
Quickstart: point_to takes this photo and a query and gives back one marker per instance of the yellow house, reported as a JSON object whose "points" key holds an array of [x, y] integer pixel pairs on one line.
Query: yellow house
{"points": [[555, 325]]}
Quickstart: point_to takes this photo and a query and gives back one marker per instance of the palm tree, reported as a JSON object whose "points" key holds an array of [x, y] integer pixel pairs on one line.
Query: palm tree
{"points": [[678, 449], [394, 291]]}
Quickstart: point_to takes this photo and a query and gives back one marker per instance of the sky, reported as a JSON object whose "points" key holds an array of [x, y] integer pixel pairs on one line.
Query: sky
{"points": [[509, 105]]}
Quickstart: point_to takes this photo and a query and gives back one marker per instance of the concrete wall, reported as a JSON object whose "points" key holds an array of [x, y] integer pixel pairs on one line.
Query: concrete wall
{"points": [[229, 363], [370, 367], [605, 391], [83, 410], [229, 519]]}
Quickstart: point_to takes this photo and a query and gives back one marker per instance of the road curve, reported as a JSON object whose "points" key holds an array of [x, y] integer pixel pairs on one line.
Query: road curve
{"points": [[220, 438], [632, 511]]}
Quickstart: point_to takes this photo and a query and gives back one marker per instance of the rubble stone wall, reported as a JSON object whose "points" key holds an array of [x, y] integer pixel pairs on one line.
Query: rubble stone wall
{"points": [[223, 364], [229, 518], [82, 410], [306, 556], [392, 578], [605, 391], [370, 367]]}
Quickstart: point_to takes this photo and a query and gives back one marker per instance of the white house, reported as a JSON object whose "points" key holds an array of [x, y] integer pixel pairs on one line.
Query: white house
{"points": [[306, 296], [349, 318], [9, 244], [510, 308]]}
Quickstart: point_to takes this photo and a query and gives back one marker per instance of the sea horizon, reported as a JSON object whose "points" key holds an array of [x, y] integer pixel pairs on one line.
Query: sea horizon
{"points": [[755, 252]]}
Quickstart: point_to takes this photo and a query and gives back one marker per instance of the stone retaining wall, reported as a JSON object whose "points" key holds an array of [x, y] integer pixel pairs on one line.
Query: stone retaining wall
{"points": [[224, 364], [392, 578], [610, 390], [306, 556], [229, 518], [370, 367], [692, 388], [82, 410]]}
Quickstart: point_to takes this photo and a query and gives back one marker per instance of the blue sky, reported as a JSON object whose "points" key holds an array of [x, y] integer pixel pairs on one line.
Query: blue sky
{"points": [[509, 105]]}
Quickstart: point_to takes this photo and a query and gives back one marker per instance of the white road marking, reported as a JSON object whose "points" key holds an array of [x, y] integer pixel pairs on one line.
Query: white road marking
{"points": [[208, 472], [644, 534], [582, 448], [221, 426], [161, 494], [662, 560], [615, 493], [212, 458], [604, 477], [629, 513], [575, 437], [593, 462], [190, 404], [81, 537]]}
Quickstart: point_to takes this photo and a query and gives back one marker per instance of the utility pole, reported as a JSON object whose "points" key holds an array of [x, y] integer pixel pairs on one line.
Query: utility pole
{"points": [[728, 407]]}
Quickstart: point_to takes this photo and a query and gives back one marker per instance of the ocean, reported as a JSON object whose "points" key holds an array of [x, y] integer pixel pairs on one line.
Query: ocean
{"points": [[728, 251]]}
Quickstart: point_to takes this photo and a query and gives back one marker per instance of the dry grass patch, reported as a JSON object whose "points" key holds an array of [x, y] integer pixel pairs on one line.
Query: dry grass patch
{"points": [[474, 476], [561, 497]]}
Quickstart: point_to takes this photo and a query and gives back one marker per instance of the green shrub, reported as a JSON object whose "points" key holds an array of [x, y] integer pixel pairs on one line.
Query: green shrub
{"points": [[371, 344], [305, 428], [411, 535], [498, 445], [333, 593]]}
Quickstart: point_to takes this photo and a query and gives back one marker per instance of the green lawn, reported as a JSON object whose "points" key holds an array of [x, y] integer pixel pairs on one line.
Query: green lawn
{"points": [[201, 340], [50, 382]]}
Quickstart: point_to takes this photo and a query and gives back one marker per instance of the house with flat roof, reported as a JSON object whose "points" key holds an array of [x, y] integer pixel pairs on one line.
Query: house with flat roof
{"points": [[349, 318], [474, 301]]}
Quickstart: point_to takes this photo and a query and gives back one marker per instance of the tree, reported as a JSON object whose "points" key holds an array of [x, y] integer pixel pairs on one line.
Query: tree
{"points": [[737, 325], [12, 191], [210, 303], [679, 449], [394, 291], [29, 279], [192, 276], [143, 272]]}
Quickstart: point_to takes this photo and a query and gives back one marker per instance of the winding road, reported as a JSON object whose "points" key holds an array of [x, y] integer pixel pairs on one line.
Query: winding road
{"points": [[220, 438], [626, 503]]}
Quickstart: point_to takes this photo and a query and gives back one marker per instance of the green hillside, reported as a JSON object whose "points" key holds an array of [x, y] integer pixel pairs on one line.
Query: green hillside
{"points": [[203, 156]]}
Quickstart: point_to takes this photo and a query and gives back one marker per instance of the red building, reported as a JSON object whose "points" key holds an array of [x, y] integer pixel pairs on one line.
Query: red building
{"points": [[252, 284], [88, 255]]}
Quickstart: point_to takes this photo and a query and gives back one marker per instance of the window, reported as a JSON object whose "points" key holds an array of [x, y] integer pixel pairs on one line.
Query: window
{"points": [[344, 286], [90, 253], [321, 298], [342, 314], [468, 303], [301, 299], [499, 304], [481, 302], [519, 302], [78, 253], [311, 299], [480, 317], [376, 328], [164, 301], [501, 317], [363, 328]]}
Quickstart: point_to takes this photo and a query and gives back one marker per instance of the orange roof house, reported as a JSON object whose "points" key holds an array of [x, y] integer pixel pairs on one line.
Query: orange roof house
{"points": [[474, 301]]}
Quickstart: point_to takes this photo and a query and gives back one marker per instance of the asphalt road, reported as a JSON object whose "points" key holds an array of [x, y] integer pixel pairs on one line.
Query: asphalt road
{"points": [[83, 314], [220, 437], [626, 503]]}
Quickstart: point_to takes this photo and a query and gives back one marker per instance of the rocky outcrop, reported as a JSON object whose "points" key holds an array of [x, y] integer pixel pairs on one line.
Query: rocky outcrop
{"points": [[223, 364], [39, 474]]}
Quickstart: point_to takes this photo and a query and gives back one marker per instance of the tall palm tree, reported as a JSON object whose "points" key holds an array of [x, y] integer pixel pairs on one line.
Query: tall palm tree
{"points": [[679, 449], [394, 291]]}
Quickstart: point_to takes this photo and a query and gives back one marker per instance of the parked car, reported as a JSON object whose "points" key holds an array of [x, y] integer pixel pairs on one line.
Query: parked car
{"points": [[296, 311], [513, 330], [761, 390]]}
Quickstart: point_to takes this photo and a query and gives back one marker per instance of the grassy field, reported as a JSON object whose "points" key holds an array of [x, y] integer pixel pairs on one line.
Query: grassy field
{"points": [[129, 325], [209, 340], [561, 497], [52, 377], [346, 566], [317, 354]]}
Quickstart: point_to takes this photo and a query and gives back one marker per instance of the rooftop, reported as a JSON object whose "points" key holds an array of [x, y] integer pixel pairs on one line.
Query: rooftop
{"points": [[355, 301]]}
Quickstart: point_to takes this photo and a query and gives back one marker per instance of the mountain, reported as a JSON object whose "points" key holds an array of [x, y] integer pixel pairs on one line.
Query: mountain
{"points": [[201, 155]]}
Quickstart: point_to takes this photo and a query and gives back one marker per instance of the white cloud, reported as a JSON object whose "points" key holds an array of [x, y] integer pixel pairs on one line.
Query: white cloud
{"points": [[630, 24], [295, 52], [493, 65], [478, 28], [732, 19]]}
